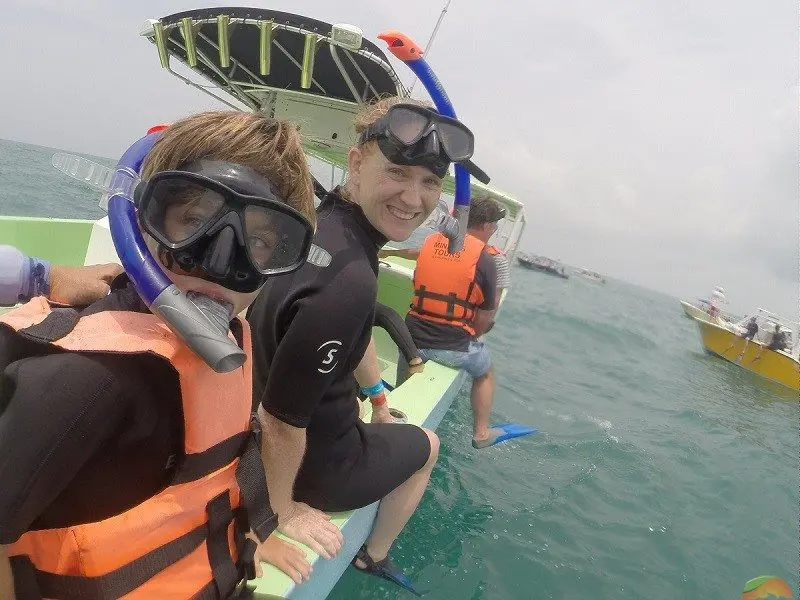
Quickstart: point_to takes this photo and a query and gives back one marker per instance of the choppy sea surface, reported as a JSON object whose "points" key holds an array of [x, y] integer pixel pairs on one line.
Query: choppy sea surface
{"points": [[659, 472]]}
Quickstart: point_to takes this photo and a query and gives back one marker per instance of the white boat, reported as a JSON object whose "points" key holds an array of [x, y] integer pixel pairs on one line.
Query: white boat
{"points": [[589, 275], [700, 310]]}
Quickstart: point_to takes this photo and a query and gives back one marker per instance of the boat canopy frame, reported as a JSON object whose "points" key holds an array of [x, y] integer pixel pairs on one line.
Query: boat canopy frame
{"points": [[266, 61], [271, 61]]}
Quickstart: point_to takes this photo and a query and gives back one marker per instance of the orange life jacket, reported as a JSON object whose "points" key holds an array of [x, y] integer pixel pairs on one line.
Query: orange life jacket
{"points": [[187, 541], [445, 290]]}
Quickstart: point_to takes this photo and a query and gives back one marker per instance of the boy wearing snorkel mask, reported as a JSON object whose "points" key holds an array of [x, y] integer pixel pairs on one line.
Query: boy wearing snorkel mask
{"points": [[130, 466]]}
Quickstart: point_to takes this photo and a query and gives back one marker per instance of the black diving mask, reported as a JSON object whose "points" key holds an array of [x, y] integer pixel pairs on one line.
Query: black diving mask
{"points": [[409, 134], [224, 219]]}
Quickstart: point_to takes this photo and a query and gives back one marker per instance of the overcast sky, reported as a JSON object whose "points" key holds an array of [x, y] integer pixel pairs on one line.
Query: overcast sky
{"points": [[653, 141]]}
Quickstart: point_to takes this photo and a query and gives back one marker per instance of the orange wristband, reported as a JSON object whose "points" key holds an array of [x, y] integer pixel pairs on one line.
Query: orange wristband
{"points": [[378, 399]]}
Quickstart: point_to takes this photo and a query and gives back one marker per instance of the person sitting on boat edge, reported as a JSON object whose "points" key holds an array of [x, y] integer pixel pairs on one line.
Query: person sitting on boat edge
{"points": [[312, 335], [455, 300], [751, 329], [123, 448], [780, 339], [503, 269], [25, 277]]}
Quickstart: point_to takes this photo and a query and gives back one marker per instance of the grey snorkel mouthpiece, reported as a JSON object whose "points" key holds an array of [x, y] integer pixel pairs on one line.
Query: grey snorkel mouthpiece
{"points": [[442, 221], [203, 323]]}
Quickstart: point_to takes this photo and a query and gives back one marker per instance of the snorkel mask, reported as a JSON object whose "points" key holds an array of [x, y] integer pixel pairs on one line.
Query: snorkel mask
{"points": [[223, 221], [409, 134], [218, 218]]}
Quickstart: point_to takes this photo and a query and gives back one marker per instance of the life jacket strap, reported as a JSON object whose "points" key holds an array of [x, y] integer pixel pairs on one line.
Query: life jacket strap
{"points": [[226, 575], [253, 485], [198, 465], [451, 299]]}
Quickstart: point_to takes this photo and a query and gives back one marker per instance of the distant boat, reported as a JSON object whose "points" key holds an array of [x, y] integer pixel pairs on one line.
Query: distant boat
{"points": [[542, 264], [590, 275], [763, 355]]}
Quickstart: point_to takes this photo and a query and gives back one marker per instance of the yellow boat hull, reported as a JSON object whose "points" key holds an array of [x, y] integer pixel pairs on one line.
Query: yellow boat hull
{"points": [[752, 356]]}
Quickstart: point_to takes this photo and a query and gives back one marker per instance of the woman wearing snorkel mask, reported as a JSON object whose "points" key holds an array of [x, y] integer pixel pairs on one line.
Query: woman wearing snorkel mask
{"points": [[312, 335], [130, 467]]}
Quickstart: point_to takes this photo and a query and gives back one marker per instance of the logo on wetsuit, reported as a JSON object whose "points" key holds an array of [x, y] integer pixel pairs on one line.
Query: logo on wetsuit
{"points": [[329, 360]]}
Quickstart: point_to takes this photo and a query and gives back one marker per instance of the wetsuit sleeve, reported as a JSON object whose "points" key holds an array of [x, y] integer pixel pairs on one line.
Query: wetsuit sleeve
{"points": [[486, 278], [317, 347], [55, 412], [387, 318]]}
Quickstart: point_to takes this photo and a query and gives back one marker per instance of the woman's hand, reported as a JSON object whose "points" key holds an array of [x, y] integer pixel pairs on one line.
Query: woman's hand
{"points": [[381, 414], [312, 527]]}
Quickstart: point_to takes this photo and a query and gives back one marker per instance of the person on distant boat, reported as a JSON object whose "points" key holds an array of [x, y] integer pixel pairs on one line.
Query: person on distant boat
{"points": [[312, 336], [24, 277], [780, 340], [130, 467], [455, 299], [716, 302], [751, 329]]}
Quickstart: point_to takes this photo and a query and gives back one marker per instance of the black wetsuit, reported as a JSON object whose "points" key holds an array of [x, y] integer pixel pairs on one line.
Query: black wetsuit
{"points": [[310, 331], [83, 436]]}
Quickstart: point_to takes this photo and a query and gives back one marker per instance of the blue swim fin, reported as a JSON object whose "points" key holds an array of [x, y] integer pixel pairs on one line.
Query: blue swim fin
{"points": [[385, 569], [502, 433]]}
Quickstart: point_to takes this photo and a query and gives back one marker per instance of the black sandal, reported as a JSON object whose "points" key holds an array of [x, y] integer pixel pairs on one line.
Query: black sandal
{"points": [[385, 569]]}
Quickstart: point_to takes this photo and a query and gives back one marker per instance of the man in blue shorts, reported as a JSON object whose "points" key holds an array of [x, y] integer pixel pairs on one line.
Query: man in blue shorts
{"points": [[455, 298]]}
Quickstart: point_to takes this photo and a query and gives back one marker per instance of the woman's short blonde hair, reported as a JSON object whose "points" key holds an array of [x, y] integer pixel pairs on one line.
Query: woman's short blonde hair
{"points": [[268, 146]]}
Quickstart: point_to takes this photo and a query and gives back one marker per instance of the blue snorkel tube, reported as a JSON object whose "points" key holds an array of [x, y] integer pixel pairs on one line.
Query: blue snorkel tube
{"points": [[157, 290], [405, 49]]}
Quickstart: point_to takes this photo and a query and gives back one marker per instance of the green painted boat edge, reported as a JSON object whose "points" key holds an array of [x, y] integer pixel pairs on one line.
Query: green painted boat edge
{"points": [[64, 241]]}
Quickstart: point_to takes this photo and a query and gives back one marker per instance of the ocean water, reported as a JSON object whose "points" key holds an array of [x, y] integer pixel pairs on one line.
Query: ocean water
{"points": [[658, 472]]}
